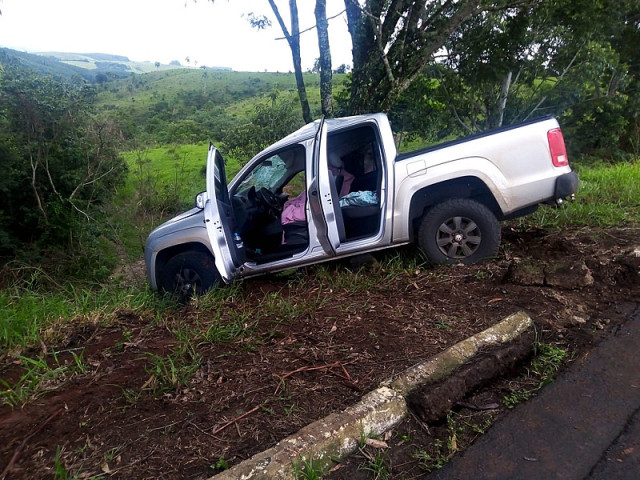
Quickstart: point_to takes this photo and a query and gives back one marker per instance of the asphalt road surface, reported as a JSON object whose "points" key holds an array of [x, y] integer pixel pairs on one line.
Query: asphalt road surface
{"points": [[583, 426]]}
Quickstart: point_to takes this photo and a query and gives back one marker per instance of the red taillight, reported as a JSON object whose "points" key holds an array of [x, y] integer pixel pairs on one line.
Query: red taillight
{"points": [[558, 150]]}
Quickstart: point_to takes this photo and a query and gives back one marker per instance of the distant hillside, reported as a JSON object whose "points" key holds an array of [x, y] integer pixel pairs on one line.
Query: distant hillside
{"points": [[51, 65], [93, 67], [188, 105], [48, 66], [117, 63], [103, 62]]}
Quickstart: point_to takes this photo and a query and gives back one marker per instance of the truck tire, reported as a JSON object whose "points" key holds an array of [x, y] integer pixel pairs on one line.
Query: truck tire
{"points": [[188, 274], [459, 231]]}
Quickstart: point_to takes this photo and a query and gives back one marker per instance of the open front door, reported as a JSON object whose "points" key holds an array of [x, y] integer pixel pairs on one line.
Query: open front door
{"points": [[219, 219]]}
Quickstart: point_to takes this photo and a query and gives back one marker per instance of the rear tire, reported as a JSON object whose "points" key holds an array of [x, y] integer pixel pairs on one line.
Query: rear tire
{"points": [[188, 274], [459, 231]]}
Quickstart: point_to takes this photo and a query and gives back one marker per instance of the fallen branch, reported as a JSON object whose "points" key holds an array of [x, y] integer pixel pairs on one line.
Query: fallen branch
{"points": [[231, 422], [305, 369]]}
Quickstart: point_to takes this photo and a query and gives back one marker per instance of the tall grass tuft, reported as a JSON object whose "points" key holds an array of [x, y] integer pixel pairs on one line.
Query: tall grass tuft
{"points": [[29, 316]]}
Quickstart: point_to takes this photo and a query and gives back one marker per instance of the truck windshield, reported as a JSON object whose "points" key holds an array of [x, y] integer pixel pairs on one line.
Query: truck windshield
{"points": [[267, 174], [274, 171]]}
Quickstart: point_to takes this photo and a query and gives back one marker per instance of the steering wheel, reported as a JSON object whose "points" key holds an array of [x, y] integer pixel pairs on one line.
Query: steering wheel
{"points": [[269, 200]]}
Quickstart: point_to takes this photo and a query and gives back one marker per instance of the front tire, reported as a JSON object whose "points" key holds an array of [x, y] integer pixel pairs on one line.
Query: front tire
{"points": [[459, 231], [188, 274]]}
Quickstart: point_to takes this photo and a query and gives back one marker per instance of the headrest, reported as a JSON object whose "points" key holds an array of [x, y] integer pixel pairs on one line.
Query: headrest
{"points": [[335, 160]]}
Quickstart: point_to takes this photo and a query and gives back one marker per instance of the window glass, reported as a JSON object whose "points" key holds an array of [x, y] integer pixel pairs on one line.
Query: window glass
{"points": [[274, 171], [220, 180]]}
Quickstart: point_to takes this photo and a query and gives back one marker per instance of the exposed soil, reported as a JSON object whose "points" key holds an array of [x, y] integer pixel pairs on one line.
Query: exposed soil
{"points": [[315, 352]]}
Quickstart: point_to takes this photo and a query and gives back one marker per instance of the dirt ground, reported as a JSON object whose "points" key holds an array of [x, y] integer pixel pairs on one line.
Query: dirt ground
{"points": [[256, 388]]}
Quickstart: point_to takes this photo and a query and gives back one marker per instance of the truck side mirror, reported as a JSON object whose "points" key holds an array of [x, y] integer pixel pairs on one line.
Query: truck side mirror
{"points": [[200, 200]]}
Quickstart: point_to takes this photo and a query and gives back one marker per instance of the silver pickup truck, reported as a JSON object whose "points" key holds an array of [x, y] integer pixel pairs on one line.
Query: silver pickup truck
{"points": [[338, 187]]}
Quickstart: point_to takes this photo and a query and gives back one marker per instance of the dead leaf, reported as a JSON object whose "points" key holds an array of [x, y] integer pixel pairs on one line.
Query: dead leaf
{"points": [[148, 382], [105, 468], [454, 443], [372, 442], [494, 300]]}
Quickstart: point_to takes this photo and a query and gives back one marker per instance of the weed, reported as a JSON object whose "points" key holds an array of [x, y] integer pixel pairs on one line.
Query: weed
{"points": [[292, 409], [430, 462], [220, 465], [453, 429], [113, 453], [480, 275], [377, 465], [547, 362], [130, 396], [59, 470], [219, 332], [269, 410], [176, 369], [304, 469], [515, 397], [39, 378]]}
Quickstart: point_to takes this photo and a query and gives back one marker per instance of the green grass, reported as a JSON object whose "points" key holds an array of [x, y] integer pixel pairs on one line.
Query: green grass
{"points": [[608, 196], [310, 469], [28, 316], [547, 361], [40, 376], [175, 172], [162, 182]]}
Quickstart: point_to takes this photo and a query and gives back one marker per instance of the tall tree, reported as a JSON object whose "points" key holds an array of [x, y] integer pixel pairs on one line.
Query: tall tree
{"points": [[326, 74], [293, 39]]}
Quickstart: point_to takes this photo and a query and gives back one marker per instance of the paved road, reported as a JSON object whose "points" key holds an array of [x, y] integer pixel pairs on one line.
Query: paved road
{"points": [[583, 426]]}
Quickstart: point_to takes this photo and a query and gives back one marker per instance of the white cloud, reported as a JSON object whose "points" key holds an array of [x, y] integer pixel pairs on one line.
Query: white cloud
{"points": [[165, 30]]}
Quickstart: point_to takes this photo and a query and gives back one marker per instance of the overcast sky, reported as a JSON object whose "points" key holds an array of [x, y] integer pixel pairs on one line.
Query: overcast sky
{"points": [[165, 30]]}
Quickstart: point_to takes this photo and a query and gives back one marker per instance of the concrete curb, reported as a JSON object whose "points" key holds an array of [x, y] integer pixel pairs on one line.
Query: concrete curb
{"points": [[336, 436]]}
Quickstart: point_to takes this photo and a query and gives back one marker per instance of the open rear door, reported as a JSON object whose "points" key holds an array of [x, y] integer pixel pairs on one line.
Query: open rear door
{"points": [[219, 219], [329, 199]]}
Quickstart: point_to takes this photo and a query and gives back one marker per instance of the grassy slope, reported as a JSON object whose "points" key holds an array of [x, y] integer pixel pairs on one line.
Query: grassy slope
{"points": [[237, 92]]}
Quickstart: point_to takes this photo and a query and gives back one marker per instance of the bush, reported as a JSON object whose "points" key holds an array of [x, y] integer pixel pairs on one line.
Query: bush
{"points": [[60, 164]]}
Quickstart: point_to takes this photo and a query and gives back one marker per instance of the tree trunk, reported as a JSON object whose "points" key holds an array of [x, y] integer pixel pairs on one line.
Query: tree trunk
{"points": [[326, 76], [293, 39]]}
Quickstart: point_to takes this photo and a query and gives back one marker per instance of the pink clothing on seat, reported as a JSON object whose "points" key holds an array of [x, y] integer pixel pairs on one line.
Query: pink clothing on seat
{"points": [[293, 210]]}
